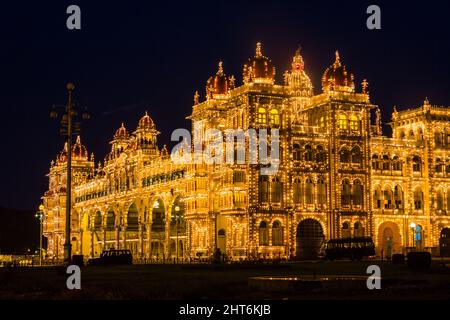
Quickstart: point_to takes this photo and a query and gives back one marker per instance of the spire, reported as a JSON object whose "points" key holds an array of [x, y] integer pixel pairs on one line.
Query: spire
{"points": [[364, 85], [297, 61], [258, 49], [196, 98], [337, 62], [232, 81], [220, 71]]}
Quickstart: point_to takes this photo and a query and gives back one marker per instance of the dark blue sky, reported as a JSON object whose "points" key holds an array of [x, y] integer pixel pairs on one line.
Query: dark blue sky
{"points": [[132, 56]]}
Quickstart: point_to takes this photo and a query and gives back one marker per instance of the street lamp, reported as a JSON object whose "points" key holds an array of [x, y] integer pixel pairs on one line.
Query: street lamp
{"points": [[40, 216], [412, 225], [68, 128]]}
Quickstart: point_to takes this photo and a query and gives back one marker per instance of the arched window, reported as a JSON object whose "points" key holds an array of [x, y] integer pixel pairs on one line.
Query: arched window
{"points": [[357, 193], [263, 234], [274, 117], [345, 193], [298, 191], [345, 230], [440, 200], [262, 117], [356, 155], [277, 234], [321, 192], [309, 156], [386, 163], [343, 122], [398, 197], [438, 139], [344, 155], [309, 191], [321, 155], [263, 189], [438, 166], [276, 190], [375, 162], [358, 229], [418, 199], [377, 197], [396, 164], [387, 198], [296, 154], [411, 134], [322, 122], [417, 167], [354, 123]]}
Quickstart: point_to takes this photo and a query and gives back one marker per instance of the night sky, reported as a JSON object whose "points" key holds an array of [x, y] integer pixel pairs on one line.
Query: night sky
{"points": [[133, 56]]}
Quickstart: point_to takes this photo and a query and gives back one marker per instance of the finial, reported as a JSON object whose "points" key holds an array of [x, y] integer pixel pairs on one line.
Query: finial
{"points": [[258, 49], [364, 85], [337, 62], [146, 113], [220, 71], [426, 102], [232, 81], [286, 78], [92, 156], [78, 140], [70, 86], [196, 98]]}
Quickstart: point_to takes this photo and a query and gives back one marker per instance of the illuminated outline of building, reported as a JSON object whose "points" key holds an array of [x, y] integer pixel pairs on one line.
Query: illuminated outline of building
{"points": [[338, 176]]}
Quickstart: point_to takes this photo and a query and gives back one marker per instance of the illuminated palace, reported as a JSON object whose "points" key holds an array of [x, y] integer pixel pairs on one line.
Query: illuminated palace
{"points": [[338, 176]]}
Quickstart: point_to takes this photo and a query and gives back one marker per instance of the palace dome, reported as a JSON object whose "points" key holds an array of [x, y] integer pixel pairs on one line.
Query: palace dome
{"points": [[146, 122], [297, 80], [220, 84], [259, 68], [337, 78], [79, 151], [121, 133]]}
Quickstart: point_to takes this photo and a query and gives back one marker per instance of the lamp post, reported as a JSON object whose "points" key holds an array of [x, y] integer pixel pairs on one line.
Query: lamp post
{"points": [[40, 216], [68, 128], [412, 225]]}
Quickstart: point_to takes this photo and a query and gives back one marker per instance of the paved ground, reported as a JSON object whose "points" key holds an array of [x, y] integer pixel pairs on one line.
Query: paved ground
{"points": [[220, 282]]}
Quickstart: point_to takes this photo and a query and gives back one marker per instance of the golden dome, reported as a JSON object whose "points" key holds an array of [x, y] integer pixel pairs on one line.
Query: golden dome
{"points": [[146, 122], [79, 151], [337, 78], [259, 69], [218, 85], [121, 133]]}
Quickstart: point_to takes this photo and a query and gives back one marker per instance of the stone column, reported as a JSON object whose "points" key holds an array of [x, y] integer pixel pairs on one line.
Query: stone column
{"points": [[91, 249], [104, 238], [117, 231], [124, 237], [149, 240], [81, 242], [141, 241]]}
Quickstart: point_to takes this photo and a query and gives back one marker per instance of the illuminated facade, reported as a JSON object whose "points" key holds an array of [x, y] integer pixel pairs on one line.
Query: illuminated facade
{"points": [[338, 176]]}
